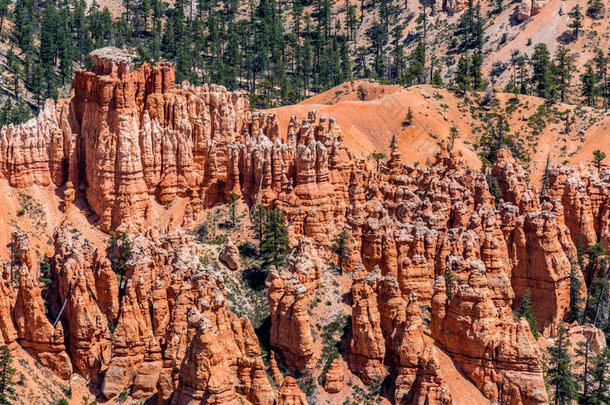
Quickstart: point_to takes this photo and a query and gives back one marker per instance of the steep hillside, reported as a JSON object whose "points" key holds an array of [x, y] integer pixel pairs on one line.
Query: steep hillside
{"points": [[369, 125]]}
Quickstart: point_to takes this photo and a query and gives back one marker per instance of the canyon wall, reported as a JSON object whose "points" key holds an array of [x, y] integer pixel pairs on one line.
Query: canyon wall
{"points": [[429, 237]]}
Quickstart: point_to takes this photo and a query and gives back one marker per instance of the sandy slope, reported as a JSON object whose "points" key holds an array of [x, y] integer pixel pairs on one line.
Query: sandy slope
{"points": [[369, 125]]}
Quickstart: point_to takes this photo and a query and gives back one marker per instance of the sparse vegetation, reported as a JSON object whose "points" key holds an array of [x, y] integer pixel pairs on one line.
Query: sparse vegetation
{"points": [[7, 374]]}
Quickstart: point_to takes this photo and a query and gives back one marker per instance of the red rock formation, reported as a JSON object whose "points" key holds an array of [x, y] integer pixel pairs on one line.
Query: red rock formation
{"points": [[205, 376], [334, 381], [529, 8], [128, 139], [89, 289], [36, 333], [367, 348], [229, 255], [381, 314], [291, 394], [499, 355], [290, 292], [8, 334]]}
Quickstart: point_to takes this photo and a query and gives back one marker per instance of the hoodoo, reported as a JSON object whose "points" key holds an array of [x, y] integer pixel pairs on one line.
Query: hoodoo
{"points": [[248, 262]]}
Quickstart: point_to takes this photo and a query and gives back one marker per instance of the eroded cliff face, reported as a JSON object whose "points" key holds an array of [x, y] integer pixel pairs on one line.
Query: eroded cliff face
{"points": [[128, 141]]}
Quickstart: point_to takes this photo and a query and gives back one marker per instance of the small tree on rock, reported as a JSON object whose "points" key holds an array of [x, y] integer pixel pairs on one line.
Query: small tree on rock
{"points": [[598, 158], [454, 133], [393, 143], [525, 311], [377, 156], [341, 248]]}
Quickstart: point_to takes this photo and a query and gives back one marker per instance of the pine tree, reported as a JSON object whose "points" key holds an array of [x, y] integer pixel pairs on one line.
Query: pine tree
{"points": [[378, 156], [559, 375], [601, 66], [564, 63], [462, 74], [393, 144], [598, 380], [576, 310], [12, 62], [274, 247], [409, 116], [454, 133], [525, 311], [575, 20], [476, 62], [341, 248], [589, 87], [7, 373], [598, 158], [437, 80], [542, 72]]}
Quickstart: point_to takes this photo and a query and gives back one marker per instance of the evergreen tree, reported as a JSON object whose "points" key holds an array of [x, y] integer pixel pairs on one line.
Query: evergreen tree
{"points": [[454, 133], [476, 62], [598, 380], [462, 74], [341, 248], [559, 375], [598, 158], [409, 116], [393, 144], [589, 87], [378, 156], [564, 63], [601, 66], [525, 311], [274, 246], [575, 20], [7, 373], [576, 311], [14, 70], [437, 79], [542, 72]]}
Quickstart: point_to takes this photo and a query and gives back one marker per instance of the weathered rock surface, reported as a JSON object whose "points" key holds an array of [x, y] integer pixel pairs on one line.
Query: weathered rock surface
{"points": [[498, 354], [334, 381], [291, 394], [129, 140], [229, 255], [529, 8], [290, 291]]}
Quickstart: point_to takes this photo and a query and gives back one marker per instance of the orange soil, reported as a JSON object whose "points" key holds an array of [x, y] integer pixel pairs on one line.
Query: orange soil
{"points": [[368, 126]]}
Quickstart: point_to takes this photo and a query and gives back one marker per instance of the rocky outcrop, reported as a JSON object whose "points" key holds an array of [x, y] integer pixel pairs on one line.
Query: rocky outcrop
{"points": [[529, 8], [290, 291], [205, 376], [367, 347], [89, 292], [498, 354], [128, 141], [382, 320], [334, 381], [229, 255], [36, 333], [291, 394], [131, 138]]}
